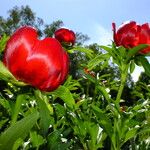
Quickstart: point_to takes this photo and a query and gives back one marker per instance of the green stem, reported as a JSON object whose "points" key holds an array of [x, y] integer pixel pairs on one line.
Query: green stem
{"points": [[84, 146], [113, 147], [124, 73]]}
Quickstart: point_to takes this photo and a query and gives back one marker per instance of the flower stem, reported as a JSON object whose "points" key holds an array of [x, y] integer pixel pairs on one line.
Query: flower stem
{"points": [[124, 73]]}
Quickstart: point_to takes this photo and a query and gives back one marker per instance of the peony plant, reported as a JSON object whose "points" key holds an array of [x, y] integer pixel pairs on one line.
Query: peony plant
{"points": [[44, 107]]}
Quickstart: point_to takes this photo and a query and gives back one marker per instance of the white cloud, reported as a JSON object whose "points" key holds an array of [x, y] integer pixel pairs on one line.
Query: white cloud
{"points": [[105, 36], [101, 35], [135, 75]]}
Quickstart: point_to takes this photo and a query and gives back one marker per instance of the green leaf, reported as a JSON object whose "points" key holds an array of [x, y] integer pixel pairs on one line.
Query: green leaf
{"points": [[36, 139], [145, 65], [97, 60], [106, 48], [122, 52], [6, 75], [137, 61], [72, 84], [6, 105], [2, 122], [103, 120], [17, 144], [19, 130], [132, 66], [111, 51], [45, 110], [60, 110], [55, 142], [130, 134], [93, 130], [144, 130], [87, 51], [19, 101], [53, 139], [63, 93], [3, 41], [134, 50]]}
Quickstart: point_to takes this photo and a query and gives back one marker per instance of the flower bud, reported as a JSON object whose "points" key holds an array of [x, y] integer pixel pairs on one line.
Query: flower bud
{"points": [[65, 36]]}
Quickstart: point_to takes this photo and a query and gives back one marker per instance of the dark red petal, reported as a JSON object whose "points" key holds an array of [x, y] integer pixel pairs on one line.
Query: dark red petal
{"points": [[65, 35], [114, 34], [126, 26], [145, 34]]}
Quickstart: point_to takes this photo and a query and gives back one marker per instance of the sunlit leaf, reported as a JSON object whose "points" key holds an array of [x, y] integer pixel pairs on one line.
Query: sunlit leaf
{"points": [[63, 93], [19, 101], [18, 130], [45, 110], [134, 50], [87, 51]]}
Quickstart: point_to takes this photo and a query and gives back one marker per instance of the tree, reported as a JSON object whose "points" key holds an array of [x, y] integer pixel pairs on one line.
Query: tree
{"points": [[19, 16]]}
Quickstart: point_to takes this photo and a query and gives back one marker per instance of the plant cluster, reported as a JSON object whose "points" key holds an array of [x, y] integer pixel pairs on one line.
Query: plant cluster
{"points": [[43, 106]]}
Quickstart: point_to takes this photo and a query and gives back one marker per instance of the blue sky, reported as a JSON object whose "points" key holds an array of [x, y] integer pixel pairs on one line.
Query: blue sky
{"points": [[93, 17]]}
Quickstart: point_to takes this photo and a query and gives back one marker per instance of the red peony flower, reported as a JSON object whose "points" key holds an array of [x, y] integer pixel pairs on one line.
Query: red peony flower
{"points": [[65, 36], [144, 37], [131, 34], [41, 63], [127, 35]]}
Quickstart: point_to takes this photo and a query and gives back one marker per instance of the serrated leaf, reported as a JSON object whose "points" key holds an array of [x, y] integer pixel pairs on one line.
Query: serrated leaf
{"points": [[19, 130]]}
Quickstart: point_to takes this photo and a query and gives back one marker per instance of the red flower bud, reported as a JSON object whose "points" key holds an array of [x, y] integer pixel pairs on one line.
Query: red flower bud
{"points": [[41, 63], [131, 34], [65, 36]]}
